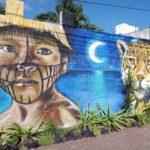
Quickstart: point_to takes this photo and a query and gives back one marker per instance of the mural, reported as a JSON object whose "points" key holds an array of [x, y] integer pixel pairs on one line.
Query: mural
{"points": [[32, 58], [51, 71], [30, 66], [136, 59]]}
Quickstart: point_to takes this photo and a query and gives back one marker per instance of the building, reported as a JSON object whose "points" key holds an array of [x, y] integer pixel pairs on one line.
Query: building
{"points": [[144, 34], [124, 29]]}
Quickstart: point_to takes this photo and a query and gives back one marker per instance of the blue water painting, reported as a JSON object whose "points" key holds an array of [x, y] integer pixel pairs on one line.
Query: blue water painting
{"points": [[5, 100], [93, 87]]}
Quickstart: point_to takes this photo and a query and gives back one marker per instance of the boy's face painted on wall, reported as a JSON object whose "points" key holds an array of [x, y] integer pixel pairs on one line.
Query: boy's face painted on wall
{"points": [[28, 66]]}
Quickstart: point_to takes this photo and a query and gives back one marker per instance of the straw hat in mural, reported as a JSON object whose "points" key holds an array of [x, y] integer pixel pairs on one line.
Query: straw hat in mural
{"points": [[33, 55]]}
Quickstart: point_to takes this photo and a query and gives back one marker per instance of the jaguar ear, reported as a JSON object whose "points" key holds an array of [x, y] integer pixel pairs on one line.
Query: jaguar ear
{"points": [[122, 46]]}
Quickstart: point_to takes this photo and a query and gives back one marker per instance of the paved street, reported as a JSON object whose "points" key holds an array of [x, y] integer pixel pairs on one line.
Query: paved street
{"points": [[128, 139]]}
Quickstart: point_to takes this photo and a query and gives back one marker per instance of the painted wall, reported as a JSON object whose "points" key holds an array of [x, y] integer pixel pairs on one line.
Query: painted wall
{"points": [[98, 62], [94, 70], [49, 71]]}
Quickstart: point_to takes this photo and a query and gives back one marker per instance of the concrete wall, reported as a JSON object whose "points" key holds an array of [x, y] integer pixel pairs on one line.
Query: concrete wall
{"points": [[145, 34]]}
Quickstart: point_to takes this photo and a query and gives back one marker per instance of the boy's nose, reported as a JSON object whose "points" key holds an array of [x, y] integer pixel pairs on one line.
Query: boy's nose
{"points": [[29, 68], [26, 69]]}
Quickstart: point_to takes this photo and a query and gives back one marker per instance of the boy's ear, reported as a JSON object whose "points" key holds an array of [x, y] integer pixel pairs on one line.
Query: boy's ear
{"points": [[122, 46], [64, 64]]}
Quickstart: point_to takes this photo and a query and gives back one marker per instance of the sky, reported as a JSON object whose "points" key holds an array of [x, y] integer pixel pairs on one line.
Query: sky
{"points": [[102, 16]]}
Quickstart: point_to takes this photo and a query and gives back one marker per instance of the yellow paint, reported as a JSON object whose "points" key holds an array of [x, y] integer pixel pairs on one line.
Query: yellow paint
{"points": [[15, 7], [15, 16]]}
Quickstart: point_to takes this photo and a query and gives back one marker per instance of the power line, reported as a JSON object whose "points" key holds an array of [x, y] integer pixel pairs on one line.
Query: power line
{"points": [[111, 5]]}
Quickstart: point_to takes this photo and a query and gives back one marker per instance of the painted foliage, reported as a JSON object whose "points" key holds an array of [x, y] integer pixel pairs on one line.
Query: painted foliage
{"points": [[49, 71]]}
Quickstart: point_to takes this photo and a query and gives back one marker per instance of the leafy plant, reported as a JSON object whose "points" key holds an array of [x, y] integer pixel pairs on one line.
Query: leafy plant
{"points": [[17, 135], [90, 121], [147, 108], [111, 121], [93, 122], [147, 116], [142, 114], [130, 84], [138, 118], [100, 120], [55, 131]]}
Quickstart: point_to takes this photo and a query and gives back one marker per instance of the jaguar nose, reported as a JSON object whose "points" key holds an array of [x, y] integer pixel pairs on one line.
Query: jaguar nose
{"points": [[140, 77]]}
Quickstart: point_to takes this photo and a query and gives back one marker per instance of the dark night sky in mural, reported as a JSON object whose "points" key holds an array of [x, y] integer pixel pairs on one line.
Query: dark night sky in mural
{"points": [[95, 74]]}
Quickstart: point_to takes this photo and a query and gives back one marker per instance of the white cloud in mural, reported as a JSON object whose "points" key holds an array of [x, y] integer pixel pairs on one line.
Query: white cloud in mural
{"points": [[92, 49]]}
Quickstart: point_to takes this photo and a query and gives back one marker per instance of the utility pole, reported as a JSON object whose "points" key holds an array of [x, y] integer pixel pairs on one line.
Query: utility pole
{"points": [[113, 25]]}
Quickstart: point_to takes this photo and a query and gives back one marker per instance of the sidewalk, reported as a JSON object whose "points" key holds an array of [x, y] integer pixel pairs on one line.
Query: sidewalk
{"points": [[128, 139]]}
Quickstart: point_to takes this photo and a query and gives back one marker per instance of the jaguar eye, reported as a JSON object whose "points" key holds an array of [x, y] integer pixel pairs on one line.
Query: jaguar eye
{"points": [[7, 48], [44, 51], [148, 62], [132, 61]]}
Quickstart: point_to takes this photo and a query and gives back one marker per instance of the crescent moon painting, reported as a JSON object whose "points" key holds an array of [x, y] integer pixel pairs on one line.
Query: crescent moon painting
{"points": [[92, 50]]}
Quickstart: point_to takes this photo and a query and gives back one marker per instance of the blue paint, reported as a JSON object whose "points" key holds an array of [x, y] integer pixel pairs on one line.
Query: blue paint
{"points": [[88, 81], [93, 87], [5, 100]]}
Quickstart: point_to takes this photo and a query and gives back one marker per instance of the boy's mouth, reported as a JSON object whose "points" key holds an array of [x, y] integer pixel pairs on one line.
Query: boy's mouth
{"points": [[24, 82]]}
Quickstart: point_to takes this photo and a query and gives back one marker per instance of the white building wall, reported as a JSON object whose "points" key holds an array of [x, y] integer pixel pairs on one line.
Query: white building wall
{"points": [[145, 34]]}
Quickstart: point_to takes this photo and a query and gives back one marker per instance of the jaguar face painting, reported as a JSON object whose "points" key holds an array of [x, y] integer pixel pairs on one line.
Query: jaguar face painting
{"points": [[136, 59], [30, 64]]}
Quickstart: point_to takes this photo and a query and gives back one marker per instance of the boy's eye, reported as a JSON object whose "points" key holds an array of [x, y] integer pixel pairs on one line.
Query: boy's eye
{"points": [[44, 51], [7, 48]]}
